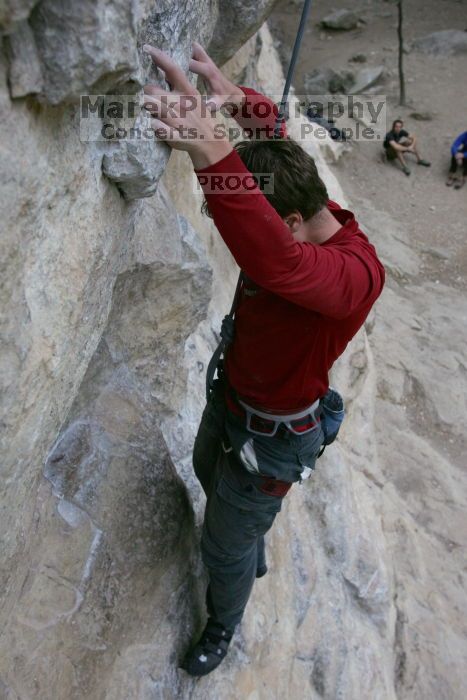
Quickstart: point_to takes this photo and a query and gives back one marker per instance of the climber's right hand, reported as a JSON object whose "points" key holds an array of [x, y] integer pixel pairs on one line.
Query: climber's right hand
{"points": [[221, 91], [179, 116]]}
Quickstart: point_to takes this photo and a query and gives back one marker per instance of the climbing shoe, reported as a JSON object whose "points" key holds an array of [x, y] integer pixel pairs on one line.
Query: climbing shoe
{"points": [[406, 170], [424, 162], [209, 651]]}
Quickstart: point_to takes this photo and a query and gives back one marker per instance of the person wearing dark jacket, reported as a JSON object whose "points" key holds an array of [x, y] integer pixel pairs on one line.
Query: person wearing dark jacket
{"points": [[311, 277], [458, 160]]}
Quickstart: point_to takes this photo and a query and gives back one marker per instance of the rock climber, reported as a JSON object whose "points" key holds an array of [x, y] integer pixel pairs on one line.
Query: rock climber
{"points": [[398, 141], [310, 279], [458, 160]]}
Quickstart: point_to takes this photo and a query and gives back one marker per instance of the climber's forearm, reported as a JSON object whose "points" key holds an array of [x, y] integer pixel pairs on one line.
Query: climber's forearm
{"points": [[237, 98]]}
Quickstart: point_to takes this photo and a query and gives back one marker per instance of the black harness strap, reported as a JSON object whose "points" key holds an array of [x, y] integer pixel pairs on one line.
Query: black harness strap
{"points": [[224, 342]]}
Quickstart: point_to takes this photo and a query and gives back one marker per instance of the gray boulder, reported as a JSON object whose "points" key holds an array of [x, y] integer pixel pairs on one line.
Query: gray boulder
{"points": [[317, 82], [365, 78], [358, 58], [341, 20], [448, 42], [342, 82], [326, 80]]}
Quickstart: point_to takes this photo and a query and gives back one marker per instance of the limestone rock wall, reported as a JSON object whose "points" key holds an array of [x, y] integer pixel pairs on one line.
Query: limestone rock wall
{"points": [[83, 398], [111, 305]]}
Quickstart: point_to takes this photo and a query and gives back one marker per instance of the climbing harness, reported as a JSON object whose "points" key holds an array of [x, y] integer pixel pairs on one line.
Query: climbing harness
{"points": [[227, 325], [270, 424], [295, 422]]}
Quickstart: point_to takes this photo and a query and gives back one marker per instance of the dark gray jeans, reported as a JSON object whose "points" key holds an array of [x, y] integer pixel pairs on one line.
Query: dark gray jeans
{"points": [[238, 513]]}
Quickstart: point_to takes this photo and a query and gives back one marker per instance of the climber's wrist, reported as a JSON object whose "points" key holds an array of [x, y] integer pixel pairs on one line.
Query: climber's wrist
{"points": [[207, 153], [237, 97]]}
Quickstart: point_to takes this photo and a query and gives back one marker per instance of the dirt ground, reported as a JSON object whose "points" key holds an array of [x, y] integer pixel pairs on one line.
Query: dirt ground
{"points": [[435, 216]]}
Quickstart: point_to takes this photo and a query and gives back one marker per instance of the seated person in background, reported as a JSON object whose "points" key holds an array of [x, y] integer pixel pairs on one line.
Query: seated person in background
{"points": [[458, 159], [398, 141]]}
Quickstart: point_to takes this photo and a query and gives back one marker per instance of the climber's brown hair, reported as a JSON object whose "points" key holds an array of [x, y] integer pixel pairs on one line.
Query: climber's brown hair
{"points": [[297, 184]]}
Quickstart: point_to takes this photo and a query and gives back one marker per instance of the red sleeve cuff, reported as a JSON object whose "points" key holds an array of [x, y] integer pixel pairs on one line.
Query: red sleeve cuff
{"points": [[247, 90], [231, 163], [228, 176]]}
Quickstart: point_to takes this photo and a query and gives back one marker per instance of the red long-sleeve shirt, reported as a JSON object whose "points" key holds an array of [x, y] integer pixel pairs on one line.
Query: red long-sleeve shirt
{"points": [[302, 302]]}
